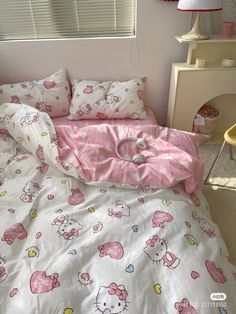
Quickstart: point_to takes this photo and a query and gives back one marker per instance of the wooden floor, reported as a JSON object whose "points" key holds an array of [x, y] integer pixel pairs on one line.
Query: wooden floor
{"points": [[222, 200]]}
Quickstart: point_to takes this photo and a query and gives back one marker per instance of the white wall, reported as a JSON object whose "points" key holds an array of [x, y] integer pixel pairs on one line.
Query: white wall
{"points": [[150, 54]]}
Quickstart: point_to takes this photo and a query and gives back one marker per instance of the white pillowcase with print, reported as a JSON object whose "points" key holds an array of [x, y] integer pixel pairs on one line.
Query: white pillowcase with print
{"points": [[51, 95], [107, 100]]}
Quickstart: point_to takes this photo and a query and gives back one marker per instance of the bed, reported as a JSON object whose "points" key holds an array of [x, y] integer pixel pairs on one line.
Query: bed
{"points": [[84, 232]]}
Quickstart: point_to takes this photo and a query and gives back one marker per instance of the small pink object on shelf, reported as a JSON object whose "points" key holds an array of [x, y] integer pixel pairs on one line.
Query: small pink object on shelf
{"points": [[227, 29]]}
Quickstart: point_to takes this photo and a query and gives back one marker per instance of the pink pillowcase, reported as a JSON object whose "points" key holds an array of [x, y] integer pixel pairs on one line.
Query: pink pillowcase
{"points": [[107, 100], [51, 95]]}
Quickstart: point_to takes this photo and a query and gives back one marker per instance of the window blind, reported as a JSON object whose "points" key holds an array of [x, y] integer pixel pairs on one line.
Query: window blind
{"points": [[45, 19]]}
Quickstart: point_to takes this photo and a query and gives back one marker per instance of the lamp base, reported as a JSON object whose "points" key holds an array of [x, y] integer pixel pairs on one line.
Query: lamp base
{"points": [[193, 36], [195, 33]]}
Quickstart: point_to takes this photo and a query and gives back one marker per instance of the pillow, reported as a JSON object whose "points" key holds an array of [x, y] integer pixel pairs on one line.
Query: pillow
{"points": [[107, 100], [51, 95]]}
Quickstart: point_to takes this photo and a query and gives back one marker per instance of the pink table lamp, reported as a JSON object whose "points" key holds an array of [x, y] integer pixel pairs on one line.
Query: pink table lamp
{"points": [[198, 6]]}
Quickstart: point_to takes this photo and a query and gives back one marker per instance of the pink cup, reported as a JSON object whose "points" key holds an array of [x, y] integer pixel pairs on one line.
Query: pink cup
{"points": [[227, 29]]}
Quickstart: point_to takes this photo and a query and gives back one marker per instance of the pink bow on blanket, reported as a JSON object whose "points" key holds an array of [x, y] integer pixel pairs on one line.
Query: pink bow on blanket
{"points": [[113, 289], [55, 282], [153, 240], [116, 214], [72, 233]]}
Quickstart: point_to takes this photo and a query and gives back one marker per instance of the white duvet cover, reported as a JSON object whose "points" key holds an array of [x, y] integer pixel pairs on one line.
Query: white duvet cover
{"points": [[67, 247]]}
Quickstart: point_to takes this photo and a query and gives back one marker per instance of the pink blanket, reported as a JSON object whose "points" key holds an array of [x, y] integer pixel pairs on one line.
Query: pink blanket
{"points": [[171, 156]]}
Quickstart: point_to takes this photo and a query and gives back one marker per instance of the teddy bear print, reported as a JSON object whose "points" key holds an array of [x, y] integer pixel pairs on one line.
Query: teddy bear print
{"points": [[29, 191], [41, 106], [112, 299], [184, 307], [84, 279], [15, 99], [5, 135], [29, 118], [140, 94], [157, 250], [68, 228], [3, 273], [216, 273], [160, 219], [101, 115], [43, 168], [40, 152], [88, 89], [119, 210], [49, 84], [84, 109], [204, 225], [112, 249], [76, 197], [16, 231], [40, 282]]}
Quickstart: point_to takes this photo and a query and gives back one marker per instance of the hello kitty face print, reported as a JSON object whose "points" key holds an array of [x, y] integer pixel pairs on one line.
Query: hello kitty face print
{"points": [[112, 99], [29, 191], [119, 210], [29, 118], [157, 250], [112, 299], [6, 119], [204, 225], [68, 228], [84, 109]]}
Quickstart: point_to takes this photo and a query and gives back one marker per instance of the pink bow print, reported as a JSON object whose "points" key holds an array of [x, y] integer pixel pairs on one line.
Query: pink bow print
{"points": [[153, 240], [72, 233], [113, 289], [116, 214], [55, 282], [211, 233], [59, 220]]}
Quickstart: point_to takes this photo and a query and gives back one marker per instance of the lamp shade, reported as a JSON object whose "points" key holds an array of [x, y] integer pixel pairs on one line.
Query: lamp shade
{"points": [[200, 5]]}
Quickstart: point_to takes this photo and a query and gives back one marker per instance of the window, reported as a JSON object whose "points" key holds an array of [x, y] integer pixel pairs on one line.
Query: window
{"points": [[41, 19]]}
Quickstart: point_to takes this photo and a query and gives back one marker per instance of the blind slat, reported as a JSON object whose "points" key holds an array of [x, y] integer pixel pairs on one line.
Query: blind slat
{"points": [[42, 19]]}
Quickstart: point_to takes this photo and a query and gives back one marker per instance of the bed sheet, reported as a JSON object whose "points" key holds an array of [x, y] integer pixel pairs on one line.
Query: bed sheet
{"points": [[151, 120], [67, 247]]}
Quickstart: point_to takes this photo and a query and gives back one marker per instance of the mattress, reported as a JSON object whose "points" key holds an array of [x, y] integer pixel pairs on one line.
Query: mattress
{"points": [[151, 120]]}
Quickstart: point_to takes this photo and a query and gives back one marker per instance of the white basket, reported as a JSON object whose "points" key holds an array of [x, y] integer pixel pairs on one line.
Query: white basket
{"points": [[204, 125]]}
